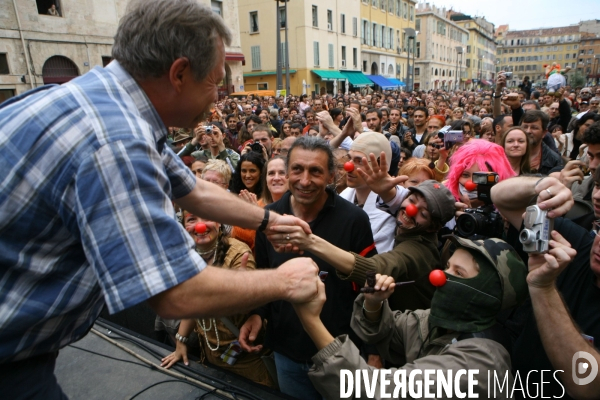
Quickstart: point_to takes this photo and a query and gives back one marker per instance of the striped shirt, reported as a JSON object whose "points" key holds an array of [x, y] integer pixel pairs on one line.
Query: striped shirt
{"points": [[86, 217]]}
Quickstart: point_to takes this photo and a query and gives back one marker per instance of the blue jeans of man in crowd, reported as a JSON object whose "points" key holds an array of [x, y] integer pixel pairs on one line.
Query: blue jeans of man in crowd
{"points": [[293, 378]]}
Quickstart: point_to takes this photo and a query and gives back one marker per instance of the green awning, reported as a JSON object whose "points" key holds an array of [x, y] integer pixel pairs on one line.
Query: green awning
{"points": [[328, 75], [264, 73], [357, 78]]}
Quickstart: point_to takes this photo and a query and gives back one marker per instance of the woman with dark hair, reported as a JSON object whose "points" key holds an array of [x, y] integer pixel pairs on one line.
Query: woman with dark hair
{"points": [[247, 176], [286, 129], [337, 115], [304, 104], [465, 126], [579, 151]]}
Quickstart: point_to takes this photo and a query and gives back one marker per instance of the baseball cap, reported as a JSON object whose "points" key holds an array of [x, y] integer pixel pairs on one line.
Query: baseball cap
{"points": [[440, 201], [584, 103]]}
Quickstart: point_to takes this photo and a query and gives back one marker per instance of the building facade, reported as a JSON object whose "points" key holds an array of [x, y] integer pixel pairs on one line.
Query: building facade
{"points": [[438, 58], [37, 47], [589, 57], [480, 52], [323, 39], [385, 46], [526, 52]]}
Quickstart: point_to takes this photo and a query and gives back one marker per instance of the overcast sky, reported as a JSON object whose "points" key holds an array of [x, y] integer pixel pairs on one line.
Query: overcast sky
{"points": [[526, 14]]}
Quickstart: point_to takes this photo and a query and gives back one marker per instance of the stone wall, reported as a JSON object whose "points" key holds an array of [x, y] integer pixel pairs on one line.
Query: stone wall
{"points": [[83, 33]]}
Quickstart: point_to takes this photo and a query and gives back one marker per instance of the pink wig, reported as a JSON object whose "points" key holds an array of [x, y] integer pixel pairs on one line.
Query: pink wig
{"points": [[477, 152]]}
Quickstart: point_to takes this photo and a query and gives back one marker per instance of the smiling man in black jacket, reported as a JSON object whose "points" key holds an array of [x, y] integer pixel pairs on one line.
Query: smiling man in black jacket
{"points": [[310, 168]]}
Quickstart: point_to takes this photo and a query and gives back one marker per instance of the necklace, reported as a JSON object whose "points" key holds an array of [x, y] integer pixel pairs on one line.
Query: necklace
{"points": [[207, 252], [205, 329]]}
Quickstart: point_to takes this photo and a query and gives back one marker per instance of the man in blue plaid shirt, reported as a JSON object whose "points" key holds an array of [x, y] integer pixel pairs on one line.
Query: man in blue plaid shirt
{"points": [[86, 215]]}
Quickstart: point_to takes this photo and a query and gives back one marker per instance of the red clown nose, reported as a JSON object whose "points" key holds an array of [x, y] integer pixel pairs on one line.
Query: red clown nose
{"points": [[349, 166], [200, 227], [437, 277], [411, 210], [470, 186]]}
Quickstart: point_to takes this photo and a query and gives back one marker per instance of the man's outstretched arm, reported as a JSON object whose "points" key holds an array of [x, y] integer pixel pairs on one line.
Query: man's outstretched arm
{"points": [[219, 292]]}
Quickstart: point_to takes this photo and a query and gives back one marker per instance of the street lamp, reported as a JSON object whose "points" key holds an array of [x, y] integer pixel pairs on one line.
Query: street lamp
{"points": [[279, 83], [459, 50], [411, 33], [283, 60], [480, 70], [595, 70]]}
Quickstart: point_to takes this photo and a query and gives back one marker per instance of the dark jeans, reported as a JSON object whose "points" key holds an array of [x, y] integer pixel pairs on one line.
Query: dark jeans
{"points": [[32, 378], [293, 378]]}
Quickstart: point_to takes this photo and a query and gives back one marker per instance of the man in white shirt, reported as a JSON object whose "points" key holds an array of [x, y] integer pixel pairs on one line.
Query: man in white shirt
{"points": [[358, 192]]}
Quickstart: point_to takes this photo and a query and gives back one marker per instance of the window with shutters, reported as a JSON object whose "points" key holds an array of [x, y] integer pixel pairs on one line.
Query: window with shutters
{"points": [[316, 55], [374, 38], [354, 57], [344, 56], [354, 26], [329, 20], [343, 23], [331, 64], [255, 54], [315, 16]]}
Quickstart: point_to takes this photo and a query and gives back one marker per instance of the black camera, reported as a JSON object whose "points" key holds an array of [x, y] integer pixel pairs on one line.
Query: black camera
{"points": [[481, 222], [256, 147]]}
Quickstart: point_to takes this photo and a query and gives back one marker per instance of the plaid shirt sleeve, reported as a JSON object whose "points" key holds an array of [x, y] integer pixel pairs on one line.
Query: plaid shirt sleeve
{"points": [[125, 220]]}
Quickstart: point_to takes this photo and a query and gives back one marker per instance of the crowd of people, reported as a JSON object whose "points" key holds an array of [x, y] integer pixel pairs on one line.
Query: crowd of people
{"points": [[397, 157], [250, 225]]}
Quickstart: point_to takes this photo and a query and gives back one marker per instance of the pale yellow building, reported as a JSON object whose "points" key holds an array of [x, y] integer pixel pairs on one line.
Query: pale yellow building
{"points": [[525, 52], [323, 39], [479, 68], [438, 60], [384, 43], [38, 48]]}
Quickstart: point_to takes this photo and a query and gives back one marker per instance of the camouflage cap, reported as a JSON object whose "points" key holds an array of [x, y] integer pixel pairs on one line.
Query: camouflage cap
{"points": [[440, 201], [511, 269]]}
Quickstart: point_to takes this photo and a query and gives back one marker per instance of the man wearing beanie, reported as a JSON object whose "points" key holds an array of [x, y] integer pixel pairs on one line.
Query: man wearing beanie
{"points": [[484, 277], [358, 192], [415, 253]]}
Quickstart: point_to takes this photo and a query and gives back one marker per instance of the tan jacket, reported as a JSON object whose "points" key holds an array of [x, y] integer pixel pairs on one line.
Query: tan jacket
{"points": [[399, 338]]}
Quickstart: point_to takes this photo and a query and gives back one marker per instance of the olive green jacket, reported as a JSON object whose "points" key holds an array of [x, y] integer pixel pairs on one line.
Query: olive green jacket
{"points": [[399, 337]]}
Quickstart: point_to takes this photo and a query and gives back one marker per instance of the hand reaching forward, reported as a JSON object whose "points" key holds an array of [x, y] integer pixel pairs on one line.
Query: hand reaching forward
{"points": [[377, 178]]}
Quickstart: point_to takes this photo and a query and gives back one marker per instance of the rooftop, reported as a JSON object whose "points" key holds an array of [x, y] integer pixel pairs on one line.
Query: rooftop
{"points": [[564, 30]]}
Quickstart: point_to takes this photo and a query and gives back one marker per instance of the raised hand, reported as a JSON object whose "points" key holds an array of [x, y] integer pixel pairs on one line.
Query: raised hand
{"points": [[377, 178]]}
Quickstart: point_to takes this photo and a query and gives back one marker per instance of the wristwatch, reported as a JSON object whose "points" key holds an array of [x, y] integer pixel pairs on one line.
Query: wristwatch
{"points": [[182, 339]]}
